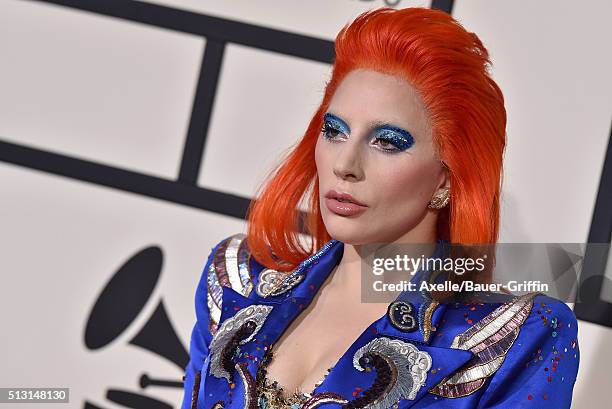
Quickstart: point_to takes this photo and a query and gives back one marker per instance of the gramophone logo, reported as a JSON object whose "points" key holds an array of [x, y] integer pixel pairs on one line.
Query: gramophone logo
{"points": [[119, 304]]}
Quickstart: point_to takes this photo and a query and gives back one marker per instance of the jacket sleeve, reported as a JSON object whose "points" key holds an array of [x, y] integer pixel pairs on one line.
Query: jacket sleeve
{"points": [[541, 368], [200, 337]]}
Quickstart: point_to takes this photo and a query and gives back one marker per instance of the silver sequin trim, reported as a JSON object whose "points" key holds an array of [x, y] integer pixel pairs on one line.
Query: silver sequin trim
{"points": [[229, 267], [237, 268], [477, 372], [215, 293], [489, 339], [498, 318]]}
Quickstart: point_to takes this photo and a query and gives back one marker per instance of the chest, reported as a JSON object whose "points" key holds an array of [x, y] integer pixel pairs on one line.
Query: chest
{"points": [[317, 339]]}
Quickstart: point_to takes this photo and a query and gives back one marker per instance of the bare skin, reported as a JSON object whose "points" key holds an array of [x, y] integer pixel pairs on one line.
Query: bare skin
{"points": [[396, 188], [319, 336]]}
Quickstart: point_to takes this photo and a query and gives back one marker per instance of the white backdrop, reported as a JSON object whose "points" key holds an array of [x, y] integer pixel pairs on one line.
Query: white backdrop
{"points": [[120, 93]]}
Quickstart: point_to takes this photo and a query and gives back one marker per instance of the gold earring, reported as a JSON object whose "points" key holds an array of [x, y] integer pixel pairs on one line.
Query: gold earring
{"points": [[440, 200]]}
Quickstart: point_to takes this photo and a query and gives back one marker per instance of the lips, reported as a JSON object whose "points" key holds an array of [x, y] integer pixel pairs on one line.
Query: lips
{"points": [[343, 204], [343, 197]]}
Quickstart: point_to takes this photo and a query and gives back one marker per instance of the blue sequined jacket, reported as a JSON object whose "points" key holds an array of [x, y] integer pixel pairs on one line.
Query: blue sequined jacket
{"points": [[514, 352]]}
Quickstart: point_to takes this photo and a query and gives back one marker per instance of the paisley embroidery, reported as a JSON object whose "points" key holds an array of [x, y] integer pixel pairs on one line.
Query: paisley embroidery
{"points": [[401, 317], [401, 370], [229, 268], [239, 329], [490, 340]]}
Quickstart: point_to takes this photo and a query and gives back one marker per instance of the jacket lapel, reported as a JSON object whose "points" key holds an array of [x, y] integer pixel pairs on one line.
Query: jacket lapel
{"points": [[348, 379]]}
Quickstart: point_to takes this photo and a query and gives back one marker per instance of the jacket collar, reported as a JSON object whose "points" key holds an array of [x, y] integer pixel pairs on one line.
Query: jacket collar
{"points": [[344, 378], [317, 269]]}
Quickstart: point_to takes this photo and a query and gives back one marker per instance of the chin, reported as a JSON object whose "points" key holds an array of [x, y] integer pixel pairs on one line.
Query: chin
{"points": [[348, 231]]}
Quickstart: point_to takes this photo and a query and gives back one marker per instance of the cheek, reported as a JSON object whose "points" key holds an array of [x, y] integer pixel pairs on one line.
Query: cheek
{"points": [[321, 159], [404, 186]]}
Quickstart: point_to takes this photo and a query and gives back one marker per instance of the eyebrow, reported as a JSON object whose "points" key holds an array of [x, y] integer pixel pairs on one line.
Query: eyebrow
{"points": [[371, 124]]}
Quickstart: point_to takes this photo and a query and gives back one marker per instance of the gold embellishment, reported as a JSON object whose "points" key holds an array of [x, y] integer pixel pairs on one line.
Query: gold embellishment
{"points": [[427, 327], [489, 339], [272, 394]]}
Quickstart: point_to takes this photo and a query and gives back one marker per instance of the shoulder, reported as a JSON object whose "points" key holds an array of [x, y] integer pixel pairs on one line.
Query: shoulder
{"points": [[532, 311], [551, 317], [531, 316], [229, 265], [510, 334]]}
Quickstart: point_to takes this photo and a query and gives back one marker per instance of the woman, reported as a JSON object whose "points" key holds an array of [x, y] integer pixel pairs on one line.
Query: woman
{"points": [[406, 147]]}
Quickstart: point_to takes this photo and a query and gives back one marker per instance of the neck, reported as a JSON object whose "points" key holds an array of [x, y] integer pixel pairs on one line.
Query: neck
{"points": [[347, 276]]}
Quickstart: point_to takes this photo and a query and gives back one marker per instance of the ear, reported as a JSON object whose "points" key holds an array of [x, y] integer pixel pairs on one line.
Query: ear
{"points": [[444, 179]]}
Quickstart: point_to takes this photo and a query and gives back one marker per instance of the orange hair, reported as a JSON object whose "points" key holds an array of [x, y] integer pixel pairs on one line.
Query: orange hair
{"points": [[449, 67]]}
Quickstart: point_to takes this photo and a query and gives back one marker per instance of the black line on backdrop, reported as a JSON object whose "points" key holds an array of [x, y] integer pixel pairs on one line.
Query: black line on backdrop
{"points": [[593, 276], [227, 204], [193, 150], [220, 29], [444, 5], [126, 180]]}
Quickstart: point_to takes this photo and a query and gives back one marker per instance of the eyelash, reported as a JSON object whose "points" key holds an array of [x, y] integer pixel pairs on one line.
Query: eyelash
{"points": [[327, 127]]}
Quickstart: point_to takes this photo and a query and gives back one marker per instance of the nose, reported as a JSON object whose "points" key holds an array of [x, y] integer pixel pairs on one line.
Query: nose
{"points": [[348, 163]]}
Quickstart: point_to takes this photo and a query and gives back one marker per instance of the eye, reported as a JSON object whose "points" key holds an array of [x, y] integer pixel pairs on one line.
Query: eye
{"points": [[394, 140], [330, 130]]}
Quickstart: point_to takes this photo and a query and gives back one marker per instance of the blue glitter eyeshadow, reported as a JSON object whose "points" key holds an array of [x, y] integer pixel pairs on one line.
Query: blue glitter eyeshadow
{"points": [[336, 123], [400, 138]]}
